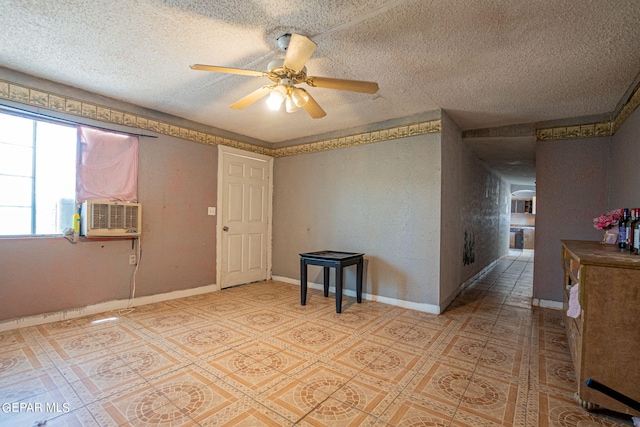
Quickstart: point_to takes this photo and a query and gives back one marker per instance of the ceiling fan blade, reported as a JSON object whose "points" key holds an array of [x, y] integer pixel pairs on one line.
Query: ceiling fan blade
{"points": [[228, 70], [298, 53], [251, 98], [312, 107], [341, 84]]}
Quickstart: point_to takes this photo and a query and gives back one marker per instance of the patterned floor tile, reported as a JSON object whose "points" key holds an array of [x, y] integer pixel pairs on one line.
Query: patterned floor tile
{"points": [[498, 358], [486, 311], [169, 321], [336, 413], [441, 381], [207, 339], [409, 409], [223, 306], [360, 353], [557, 411], [292, 305], [143, 405], [293, 399], [252, 355], [245, 413], [257, 368], [511, 333], [384, 365], [311, 338], [395, 329], [62, 417], [21, 360], [464, 348], [550, 319], [69, 346], [92, 364], [57, 328], [12, 339], [352, 321], [490, 398], [22, 388], [554, 343], [182, 398], [37, 400], [228, 362], [477, 326], [365, 396], [81, 343], [133, 365], [260, 320], [147, 310], [557, 373], [101, 320]]}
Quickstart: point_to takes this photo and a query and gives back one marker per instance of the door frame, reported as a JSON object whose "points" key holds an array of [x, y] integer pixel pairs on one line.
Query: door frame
{"points": [[222, 150]]}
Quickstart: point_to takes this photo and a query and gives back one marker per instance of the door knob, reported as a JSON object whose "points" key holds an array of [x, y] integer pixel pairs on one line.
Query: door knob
{"points": [[225, 228]]}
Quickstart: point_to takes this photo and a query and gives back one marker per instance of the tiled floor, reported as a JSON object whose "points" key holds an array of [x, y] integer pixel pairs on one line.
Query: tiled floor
{"points": [[252, 356]]}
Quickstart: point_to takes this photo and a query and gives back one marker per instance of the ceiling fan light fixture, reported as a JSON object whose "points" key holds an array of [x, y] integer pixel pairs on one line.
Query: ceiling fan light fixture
{"points": [[276, 97], [288, 72], [299, 96], [274, 101], [290, 105]]}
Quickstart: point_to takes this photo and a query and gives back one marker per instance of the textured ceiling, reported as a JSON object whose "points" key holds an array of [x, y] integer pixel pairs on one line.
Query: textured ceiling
{"points": [[487, 63]]}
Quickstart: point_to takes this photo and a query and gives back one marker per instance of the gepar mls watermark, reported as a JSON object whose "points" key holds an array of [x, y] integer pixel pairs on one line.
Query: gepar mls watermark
{"points": [[35, 407]]}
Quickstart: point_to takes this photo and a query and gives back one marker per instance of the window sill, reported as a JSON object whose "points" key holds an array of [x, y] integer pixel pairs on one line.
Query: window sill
{"points": [[31, 236]]}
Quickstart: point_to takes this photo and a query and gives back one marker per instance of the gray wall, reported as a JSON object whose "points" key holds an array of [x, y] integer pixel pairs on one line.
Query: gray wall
{"points": [[405, 203], [572, 182], [475, 205], [625, 165], [177, 181], [382, 199]]}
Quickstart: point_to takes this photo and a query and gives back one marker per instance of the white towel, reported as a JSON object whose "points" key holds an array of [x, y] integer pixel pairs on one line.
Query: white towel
{"points": [[574, 305]]}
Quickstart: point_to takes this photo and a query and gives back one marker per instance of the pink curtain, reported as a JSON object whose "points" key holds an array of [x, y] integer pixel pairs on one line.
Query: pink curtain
{"points": [[108, 166]]}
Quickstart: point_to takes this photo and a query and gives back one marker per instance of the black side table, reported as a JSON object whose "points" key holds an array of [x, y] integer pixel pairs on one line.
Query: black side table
{"points": [[328, 259]]}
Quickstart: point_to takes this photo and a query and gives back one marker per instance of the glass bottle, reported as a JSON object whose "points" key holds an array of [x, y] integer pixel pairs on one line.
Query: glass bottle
{"points": [[622, 228]]}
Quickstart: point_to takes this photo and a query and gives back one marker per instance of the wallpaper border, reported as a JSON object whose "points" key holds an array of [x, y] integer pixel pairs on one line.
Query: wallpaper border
{"points": [[77, 107], [607, 128], [422, 128], [52, 101]]}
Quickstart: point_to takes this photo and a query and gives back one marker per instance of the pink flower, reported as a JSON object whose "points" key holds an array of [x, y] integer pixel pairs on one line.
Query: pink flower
{"points": [[608, 220]]}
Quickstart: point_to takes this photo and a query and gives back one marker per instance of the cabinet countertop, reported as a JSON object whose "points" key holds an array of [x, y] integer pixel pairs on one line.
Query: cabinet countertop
{"points": [[595, 253]]}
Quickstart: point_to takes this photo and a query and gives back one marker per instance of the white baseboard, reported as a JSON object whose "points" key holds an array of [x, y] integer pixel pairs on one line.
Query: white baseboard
{"points": [[427, 308], [468, 282], [543, 303], [39, 319]]}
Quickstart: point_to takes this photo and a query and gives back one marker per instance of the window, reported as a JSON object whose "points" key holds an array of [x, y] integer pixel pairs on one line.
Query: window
{"points": [[37, 176]]}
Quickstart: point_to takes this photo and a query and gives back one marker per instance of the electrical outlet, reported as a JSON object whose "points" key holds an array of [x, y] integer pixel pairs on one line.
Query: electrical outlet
{"points": [[132, 260]]}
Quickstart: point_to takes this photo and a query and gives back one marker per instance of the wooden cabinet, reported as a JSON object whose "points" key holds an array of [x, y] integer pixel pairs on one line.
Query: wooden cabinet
{"points": [[605, 337]]}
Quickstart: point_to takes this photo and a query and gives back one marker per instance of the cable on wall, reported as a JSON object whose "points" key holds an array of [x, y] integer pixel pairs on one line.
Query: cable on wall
{"points": [[134, 273]]}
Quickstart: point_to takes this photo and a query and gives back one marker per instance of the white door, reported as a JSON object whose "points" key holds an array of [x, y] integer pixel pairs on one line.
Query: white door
{"points": [[244, 228]]}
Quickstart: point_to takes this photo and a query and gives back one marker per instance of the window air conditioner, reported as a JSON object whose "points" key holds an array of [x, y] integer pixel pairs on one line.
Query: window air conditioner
{"points": [[110, 219]]}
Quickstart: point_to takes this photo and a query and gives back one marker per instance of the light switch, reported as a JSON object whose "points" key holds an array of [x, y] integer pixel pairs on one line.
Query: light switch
{"points": [[211, 211]]}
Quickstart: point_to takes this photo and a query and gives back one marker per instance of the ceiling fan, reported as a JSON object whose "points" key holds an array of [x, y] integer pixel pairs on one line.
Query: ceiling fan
{"points": [[286, 74]]}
